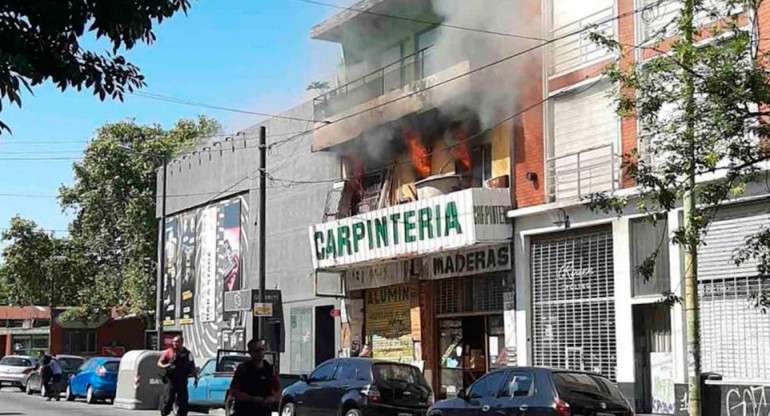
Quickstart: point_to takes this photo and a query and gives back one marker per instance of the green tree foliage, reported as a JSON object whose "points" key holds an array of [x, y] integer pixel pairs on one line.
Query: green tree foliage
{"points": [[113, 199], [731, 87], [31, 262], [40, 41]]}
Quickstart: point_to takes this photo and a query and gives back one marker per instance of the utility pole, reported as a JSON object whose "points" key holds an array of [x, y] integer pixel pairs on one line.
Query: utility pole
{"points": [[52, 288], [162, 261], [691, 241], [262, 229]]}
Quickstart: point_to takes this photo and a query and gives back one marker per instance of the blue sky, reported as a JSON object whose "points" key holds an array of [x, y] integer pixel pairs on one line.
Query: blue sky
{"points": [[247, 54]]}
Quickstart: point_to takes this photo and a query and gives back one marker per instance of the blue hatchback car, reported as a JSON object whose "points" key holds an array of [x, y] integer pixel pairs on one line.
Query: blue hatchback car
{"points": [[97, 379]]}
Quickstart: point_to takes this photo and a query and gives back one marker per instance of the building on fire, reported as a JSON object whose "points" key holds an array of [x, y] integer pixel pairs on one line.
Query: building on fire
{"points": [[434, 142], [435, 210]]}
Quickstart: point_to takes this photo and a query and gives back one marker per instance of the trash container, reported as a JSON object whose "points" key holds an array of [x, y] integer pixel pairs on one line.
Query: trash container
{"points": [[139, 382]]}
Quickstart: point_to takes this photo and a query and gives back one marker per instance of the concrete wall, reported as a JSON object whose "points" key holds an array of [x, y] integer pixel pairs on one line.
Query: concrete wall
{"points": [[229, 167]]}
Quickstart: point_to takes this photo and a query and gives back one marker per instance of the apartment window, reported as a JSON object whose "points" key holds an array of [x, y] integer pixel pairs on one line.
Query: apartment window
{"points": [[12, 323], [658, 20], [29, 344], [426, 57], [42, 323], [81, 341], [481, 164], [582, 155], [569, 16]]}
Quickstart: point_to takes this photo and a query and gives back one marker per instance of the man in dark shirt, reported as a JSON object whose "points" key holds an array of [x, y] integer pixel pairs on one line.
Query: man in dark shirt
{"points": [[178, 365], [255, 387]]}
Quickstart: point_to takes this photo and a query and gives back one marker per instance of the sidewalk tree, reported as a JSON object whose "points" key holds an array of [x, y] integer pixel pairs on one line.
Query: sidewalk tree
{"points": [[27, 270], [41, 41], [113, 201], [702, 113]]}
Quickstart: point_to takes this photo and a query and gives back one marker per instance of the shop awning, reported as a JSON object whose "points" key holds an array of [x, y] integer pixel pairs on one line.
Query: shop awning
{"points": [[434, 225]]}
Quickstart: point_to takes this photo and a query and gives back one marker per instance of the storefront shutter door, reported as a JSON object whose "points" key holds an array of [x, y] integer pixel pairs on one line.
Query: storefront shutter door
{"points": [[585, 130], [734, 332]]}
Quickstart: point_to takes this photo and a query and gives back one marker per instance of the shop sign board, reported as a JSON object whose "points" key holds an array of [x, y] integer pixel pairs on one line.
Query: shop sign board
{"points": [[466, 262], [447, 222], [377, 275]]}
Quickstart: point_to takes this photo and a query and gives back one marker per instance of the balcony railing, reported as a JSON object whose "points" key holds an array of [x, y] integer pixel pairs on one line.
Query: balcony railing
{"points": [[382, 81], [579, 174], [578, 50]]}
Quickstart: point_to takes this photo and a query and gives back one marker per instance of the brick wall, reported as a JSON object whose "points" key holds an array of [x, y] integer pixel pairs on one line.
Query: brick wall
{"points": [[528, 137]]}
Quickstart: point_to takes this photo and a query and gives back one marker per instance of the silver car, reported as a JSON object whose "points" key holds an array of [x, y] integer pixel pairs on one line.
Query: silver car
{"points": [[14, 370]]}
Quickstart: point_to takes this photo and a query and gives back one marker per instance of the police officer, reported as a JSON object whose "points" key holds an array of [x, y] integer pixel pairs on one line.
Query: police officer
{"points": [[255, 386], [177, 365]]}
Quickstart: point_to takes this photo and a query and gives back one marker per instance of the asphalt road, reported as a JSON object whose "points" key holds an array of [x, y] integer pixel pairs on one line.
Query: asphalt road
{"points": [[15, 403]]}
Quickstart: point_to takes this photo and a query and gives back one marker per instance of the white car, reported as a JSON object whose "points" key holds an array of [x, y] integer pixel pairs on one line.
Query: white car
{"points": [[14, 370]]}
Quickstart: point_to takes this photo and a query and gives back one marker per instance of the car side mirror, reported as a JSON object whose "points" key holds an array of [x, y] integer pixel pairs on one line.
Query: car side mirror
{"points": [[305, 378]]}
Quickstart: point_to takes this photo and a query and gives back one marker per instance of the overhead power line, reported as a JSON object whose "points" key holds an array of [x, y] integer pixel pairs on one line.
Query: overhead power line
{"points": [[423, 21], [159, 97]]}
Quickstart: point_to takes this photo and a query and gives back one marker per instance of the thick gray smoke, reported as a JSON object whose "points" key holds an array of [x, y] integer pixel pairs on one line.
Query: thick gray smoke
{"points": [[495, 88]]}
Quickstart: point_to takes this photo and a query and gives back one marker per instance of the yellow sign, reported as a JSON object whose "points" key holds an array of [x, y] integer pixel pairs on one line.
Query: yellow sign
{"points": [[387, 311], [263, 309]]}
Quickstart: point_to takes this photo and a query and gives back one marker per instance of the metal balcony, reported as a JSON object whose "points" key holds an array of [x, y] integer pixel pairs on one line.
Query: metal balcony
{"points": [[374, 84], [579, 174], [579, 50]]}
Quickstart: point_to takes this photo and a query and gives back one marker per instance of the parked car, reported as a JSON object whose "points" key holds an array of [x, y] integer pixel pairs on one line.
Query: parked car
{"points": [[14, 370], [516, 391], [97, 379], [359, 387], [69, 366], [214, 381]]}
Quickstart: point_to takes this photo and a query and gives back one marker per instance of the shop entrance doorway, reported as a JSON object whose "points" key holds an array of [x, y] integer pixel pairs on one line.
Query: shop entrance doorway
{"points": [[469, 346], [654, 362]]}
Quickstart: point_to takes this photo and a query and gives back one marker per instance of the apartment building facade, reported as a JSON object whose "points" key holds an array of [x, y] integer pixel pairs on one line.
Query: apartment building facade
{"points": [[570, 296]]}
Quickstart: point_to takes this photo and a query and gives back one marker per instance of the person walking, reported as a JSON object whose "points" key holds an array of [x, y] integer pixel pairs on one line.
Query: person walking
{"points": [[177, 366], [255, 387], [46, 372], [56, 374]]}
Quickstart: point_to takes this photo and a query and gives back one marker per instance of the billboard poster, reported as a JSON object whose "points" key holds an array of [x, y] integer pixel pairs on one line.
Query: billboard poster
{"points": [[187, 266], [207, 263], [171, 272], [229, 252]]}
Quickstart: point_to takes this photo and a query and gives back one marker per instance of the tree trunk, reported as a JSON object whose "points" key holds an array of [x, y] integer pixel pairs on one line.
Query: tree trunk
{"points": [[691, 242]]}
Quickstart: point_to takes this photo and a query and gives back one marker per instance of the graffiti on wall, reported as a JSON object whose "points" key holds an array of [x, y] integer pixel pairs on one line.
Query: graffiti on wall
{"points": [[746, 401]]}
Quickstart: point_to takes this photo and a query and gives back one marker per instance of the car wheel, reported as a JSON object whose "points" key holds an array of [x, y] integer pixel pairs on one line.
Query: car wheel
{"points": [[90, 398], [288, 410], [43, 391], [29, 390], [353, 412], [68, 395]]}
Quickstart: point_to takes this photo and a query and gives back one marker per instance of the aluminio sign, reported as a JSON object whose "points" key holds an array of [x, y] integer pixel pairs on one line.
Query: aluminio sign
{"points": [[446, 222]]}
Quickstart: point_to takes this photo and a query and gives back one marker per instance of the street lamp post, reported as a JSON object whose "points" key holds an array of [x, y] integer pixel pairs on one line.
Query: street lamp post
{"points": [[160, 283]]}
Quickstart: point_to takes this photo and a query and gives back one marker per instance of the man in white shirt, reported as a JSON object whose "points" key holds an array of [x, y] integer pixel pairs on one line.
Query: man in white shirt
{"points": [[55, 390]]}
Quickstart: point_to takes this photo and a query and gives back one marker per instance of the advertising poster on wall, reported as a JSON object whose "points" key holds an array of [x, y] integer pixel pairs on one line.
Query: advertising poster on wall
{"points": [[187, 260], [229, 253], [171, 272], [662, 375], [388, 323], [207, 263]]}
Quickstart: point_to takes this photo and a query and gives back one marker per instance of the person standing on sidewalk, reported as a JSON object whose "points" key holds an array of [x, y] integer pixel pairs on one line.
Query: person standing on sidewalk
{"points": [[177, 365], [255, 387]]}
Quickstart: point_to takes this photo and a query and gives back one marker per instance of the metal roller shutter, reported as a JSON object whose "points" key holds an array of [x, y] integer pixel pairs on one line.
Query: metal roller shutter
{"points": [[735, 336], [573, 302], [585, 132]]}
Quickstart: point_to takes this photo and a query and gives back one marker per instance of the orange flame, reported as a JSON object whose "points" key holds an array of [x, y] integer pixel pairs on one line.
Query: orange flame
{"points": [[418, 153], [460, 151]]}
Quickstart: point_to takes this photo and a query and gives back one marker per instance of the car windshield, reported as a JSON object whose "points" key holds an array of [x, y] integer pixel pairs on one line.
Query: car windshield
{"points": [[398, 372], [573, 386], [230, 362], [70, 364], [111, 365], [16, 362]]}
